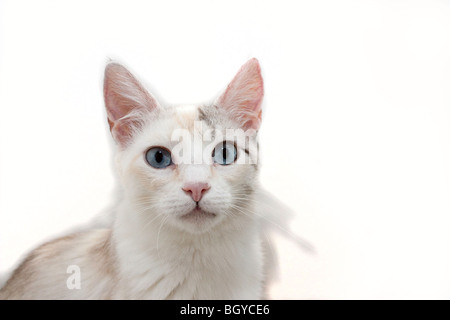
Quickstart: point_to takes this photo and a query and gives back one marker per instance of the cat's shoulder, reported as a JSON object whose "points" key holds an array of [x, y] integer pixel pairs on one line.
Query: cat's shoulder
{"points": [[51, 262], [73, 245]]}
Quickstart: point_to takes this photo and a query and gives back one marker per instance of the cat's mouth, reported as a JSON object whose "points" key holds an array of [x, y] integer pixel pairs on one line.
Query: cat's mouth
{"points": [[198, 214]]}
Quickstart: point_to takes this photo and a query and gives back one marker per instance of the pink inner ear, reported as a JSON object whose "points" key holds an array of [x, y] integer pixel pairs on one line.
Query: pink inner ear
{"points": [[243, 96], [124, 98]]}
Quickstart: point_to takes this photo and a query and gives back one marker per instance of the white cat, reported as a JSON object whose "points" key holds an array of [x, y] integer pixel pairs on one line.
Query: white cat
{"points": [[186, 226]]}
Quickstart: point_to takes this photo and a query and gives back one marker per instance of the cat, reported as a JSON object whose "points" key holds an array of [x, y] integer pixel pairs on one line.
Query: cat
{"points": [[186, 225]]}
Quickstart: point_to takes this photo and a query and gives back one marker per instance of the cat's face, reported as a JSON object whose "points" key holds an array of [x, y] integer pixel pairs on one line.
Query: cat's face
{"points": [[192, 167]]}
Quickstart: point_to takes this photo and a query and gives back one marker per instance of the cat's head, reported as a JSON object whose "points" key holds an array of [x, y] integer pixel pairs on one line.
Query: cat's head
{"points": [[191, 166]]}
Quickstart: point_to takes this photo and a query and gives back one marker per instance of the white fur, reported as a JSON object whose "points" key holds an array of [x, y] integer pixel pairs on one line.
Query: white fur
{"points": [[179, 265], [151, 250], [162, 256]]}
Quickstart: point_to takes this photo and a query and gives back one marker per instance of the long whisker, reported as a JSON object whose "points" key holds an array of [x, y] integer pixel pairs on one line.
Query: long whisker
{"points": [[151, 220]]}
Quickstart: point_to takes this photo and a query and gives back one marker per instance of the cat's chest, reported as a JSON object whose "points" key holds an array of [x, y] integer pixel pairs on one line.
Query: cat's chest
{"points": [[207, 273], [203, 275]]}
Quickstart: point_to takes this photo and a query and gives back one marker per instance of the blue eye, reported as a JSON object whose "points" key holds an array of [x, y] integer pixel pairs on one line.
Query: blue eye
{"points": [[158, 157], [224, 153]]}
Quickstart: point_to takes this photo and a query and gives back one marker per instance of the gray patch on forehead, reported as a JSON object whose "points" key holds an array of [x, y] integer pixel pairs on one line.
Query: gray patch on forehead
{"points": [[216, 117], [208, 114]]}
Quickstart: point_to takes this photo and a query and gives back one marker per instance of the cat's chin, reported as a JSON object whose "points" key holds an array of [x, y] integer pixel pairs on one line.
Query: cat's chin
{"points": [[197, 221], [197, 216]]}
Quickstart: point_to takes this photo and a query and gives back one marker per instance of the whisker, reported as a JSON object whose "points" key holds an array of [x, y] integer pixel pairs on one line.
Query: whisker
{"points": [[151, 220]]}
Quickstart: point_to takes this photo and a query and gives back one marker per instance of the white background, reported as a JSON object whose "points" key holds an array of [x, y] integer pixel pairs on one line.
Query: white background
{"points": [[355, 137]]}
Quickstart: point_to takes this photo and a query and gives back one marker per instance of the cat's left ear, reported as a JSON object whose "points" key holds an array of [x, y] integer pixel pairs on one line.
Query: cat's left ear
{"points": [[126, 100], [243, 97]]}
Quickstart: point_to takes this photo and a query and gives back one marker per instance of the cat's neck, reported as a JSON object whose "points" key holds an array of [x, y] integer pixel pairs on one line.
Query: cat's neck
{"points": [[149, 253]]}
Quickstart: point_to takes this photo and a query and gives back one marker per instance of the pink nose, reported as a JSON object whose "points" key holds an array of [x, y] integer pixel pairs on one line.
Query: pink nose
{"points": [[196, 190]]}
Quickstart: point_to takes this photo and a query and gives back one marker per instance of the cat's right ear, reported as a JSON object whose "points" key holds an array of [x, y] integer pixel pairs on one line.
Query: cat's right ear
{"points": [[126, 100], [243, 97]]}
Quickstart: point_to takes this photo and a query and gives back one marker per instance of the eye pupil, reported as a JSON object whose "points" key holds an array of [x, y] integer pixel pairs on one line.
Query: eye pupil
{"points": [[158, 156], [224, 152]]}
